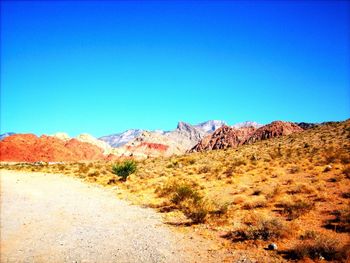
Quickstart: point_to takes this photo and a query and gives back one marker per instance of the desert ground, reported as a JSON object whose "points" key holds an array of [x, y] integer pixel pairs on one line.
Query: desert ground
{"points": [[55, 218], [291, 192]]}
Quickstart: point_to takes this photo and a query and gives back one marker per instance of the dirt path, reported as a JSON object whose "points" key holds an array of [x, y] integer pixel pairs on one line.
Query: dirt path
{"points": [[54, 218]]}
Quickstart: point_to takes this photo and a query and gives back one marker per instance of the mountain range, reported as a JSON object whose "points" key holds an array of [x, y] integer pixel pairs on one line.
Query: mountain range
{"points": [[138, 143], [120, 139]]}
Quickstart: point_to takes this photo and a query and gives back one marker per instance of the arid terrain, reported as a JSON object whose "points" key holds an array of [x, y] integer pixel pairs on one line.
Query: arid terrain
{"points": [[291, 192], [55, 218]]}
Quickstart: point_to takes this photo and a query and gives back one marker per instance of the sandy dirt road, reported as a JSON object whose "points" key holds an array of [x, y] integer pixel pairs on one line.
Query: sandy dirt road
{"points": [[55, 218]]}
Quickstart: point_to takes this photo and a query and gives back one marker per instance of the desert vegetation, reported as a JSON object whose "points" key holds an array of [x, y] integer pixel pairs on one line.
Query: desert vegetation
{"points": [[124, 169], [293, 191]]}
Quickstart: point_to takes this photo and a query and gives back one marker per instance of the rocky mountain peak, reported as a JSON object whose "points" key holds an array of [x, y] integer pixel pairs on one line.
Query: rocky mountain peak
{"points": [[274, 129], [184, 126], [222, 138], [247, 124], [210, 126]]}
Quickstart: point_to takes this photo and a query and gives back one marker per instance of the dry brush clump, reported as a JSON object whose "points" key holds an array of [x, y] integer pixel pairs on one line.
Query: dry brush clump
{"points": [[187, 199], [340, 221], [260, 227], [293, 209], [315, 245]]}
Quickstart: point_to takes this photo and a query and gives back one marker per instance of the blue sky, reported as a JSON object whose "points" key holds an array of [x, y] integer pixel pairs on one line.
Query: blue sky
{"points": [[104, 67]]}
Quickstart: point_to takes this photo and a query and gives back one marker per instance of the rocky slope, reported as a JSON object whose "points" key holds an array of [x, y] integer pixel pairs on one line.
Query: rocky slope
{"points": [[119, 139], [274, 129], [246, 124], [210, 126], [222, 138], [61, 135], [306, 125], [227, 137], [149, 144], [186, 135], [30, 148], [85, 137]]}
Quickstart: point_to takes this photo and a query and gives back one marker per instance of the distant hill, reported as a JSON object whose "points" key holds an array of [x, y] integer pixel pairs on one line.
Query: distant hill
{"points": [[30, 148], [210, 126], [4, 135], [119, 139]]}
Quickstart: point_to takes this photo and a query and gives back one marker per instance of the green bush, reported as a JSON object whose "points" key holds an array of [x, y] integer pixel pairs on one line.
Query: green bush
{"points": [[124, 169]]}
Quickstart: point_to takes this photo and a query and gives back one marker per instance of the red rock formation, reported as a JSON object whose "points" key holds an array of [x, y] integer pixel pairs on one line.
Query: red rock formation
{"points": [[30, 148], [155, 146], [224, 137], [274, 129], [150, 146], [245, 132]]}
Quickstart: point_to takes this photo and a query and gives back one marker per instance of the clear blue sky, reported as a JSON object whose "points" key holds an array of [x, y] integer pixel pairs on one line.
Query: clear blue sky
{"points": [[104, 67]]}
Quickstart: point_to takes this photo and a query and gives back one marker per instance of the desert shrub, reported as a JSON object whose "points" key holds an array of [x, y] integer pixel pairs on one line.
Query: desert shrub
{"points": [[295, 209], [238, 200], [316, 247], [220, 208], [261, 227], [83, 168], [196, 210], [187, 199], [340, 222], [204, 169], [183, 192], [111, 181], [330, 157], [273, 193], [255, 204], [239, 162], [257, 192], [346, 171], [94, 174], [289, 182], [124, 169], [294, 169], [345, 195], [187, 160], [300, 189], [61, 167], [229, 171], [309, 234], [172, 185]]}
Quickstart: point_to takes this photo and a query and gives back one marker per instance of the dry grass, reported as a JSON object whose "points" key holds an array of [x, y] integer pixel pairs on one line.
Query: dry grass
{"points": [[260, 227], [296, 208], [319, 246], [299, 182]]}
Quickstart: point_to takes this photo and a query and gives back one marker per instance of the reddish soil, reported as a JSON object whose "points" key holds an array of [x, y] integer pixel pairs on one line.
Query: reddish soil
{"points": [[30, 148]]}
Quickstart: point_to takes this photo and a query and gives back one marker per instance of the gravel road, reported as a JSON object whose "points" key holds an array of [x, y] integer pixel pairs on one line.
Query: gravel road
{"points": [[55, 218]]}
